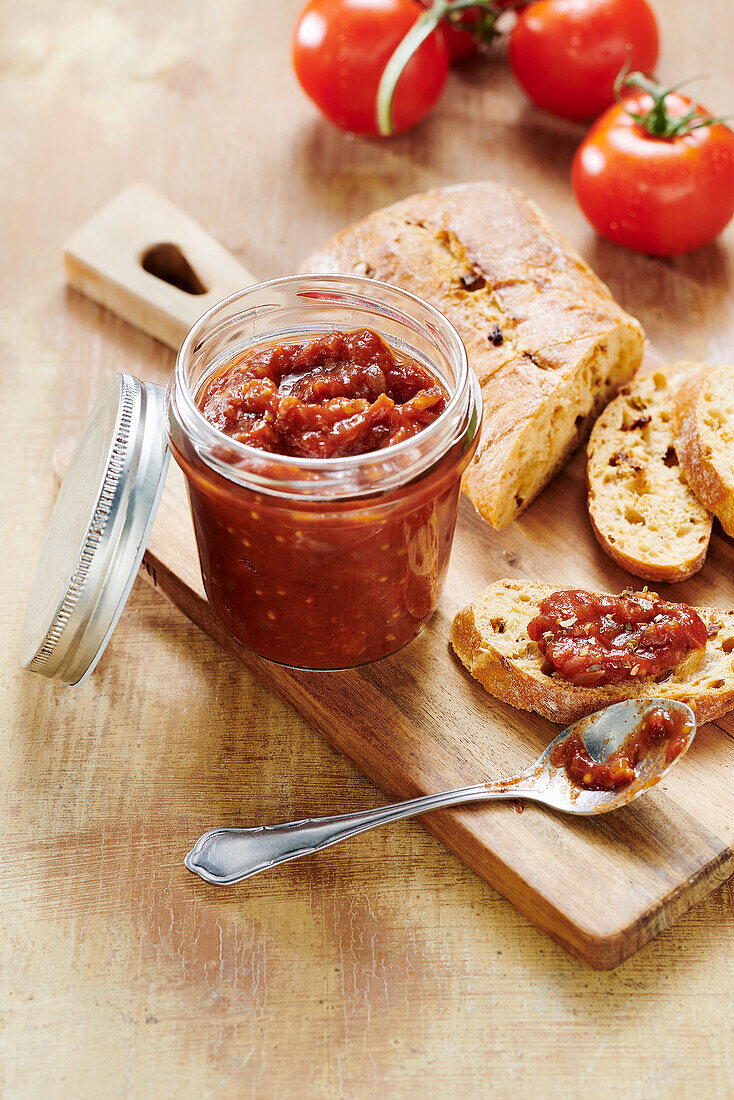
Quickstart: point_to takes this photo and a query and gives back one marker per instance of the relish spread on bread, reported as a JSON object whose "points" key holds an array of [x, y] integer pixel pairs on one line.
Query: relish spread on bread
{"points": [[590, 638], [547, 341], [492, 637]]}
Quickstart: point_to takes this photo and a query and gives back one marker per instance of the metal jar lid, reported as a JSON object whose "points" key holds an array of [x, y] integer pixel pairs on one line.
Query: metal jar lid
{"points": [[98, 531]]}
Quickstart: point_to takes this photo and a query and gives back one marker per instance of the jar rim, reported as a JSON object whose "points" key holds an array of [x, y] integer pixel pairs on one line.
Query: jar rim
{"points": [[353, 291]]}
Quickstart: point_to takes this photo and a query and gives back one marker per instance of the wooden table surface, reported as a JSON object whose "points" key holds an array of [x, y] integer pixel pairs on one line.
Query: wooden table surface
{"points": [[384, 966]]}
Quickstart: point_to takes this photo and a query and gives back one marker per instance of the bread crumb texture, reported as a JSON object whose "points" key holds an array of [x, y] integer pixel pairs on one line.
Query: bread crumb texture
{"points": [[490, 637], [704, 439], [546, 340], [642, 509]]}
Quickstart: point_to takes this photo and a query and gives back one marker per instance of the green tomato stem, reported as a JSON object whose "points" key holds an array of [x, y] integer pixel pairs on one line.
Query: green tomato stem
{"points": [[658, 122], [422, 29]]}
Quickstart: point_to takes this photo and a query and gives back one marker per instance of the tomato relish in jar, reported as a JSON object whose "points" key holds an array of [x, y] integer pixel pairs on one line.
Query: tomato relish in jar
{"points": [[323, 424], [345, 393]]}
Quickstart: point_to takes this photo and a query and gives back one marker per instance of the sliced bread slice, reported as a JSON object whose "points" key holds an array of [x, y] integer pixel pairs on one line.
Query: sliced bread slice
{"points": [[490, 637], [703, 423], [642, 510]]}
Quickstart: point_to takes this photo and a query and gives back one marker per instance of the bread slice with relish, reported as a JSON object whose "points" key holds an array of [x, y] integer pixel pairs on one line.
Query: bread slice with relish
{"points": [[704, 439], [490, 637], [547, 341], [642, 509]]}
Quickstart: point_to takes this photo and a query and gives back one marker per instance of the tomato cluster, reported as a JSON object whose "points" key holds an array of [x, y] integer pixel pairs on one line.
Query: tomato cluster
{"points": [[341, 49], [655, 172]]}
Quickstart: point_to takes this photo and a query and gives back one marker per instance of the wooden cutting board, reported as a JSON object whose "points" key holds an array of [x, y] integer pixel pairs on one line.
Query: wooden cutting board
{"points": [[416, 722]]}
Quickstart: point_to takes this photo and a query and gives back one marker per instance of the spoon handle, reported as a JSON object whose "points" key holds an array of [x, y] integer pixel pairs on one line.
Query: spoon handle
{"points": [[226, 856]]}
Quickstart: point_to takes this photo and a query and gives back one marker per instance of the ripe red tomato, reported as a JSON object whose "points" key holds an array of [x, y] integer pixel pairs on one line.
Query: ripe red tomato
{"points": [[341, 48], [566, 54], [660, 195]]}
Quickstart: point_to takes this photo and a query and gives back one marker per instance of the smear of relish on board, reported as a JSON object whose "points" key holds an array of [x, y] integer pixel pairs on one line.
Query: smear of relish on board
{"points": [[343, 394], [591, 639], [619, 769]]}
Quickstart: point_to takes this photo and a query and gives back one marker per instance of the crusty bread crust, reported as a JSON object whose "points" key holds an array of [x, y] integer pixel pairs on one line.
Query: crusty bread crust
{"points": [[544, 336], [642, 510], [704, 439], [490, 638]]}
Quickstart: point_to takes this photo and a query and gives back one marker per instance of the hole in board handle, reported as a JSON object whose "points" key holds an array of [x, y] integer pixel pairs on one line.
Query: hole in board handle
{"points": [[167, 262]]}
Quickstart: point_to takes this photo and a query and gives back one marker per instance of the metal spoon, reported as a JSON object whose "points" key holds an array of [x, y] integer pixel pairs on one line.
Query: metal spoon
{"points": [[226, 856]]}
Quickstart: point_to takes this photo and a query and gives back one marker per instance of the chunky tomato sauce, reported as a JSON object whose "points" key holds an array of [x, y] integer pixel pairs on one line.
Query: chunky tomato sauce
{"points": [[620, 768], [325, 583], [344, 394], [591, 639]]}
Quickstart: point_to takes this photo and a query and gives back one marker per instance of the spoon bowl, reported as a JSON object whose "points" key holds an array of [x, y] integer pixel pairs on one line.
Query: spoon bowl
{"points": [[603, 734], [226, 856]]}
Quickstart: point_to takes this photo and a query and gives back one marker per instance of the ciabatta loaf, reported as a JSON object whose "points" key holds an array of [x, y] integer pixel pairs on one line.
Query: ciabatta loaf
{"points": [[641, 507], [490, 636], [545, 338], [704, 439]]}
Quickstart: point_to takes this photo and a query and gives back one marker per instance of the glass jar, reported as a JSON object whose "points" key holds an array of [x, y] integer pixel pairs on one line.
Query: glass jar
{"points": [[323, 563]]}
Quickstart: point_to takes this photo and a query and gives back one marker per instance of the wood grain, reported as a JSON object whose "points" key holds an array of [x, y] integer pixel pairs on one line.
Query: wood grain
{"points": [[379, 968], [417, 723]]}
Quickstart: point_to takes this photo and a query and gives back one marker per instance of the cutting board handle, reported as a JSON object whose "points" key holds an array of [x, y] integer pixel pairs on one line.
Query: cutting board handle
{"points": [[150, 263]]}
